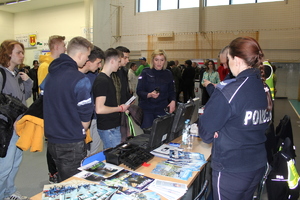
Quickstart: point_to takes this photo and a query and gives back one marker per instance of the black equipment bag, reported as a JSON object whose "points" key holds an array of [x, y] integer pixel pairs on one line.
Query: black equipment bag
{"points": [[10, 108]]}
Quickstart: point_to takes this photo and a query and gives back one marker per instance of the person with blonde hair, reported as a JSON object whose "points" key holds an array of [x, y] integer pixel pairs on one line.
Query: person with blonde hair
{"points": [[68, 108], [156, 89], [57, 46]]}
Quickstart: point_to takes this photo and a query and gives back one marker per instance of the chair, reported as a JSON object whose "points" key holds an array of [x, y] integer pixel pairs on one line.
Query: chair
{"points": [[97, 156], [262, 183], [202, 191]]}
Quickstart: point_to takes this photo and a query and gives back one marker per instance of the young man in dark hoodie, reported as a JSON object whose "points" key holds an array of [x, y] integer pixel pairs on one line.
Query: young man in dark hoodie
{"points": [[68, 108]]}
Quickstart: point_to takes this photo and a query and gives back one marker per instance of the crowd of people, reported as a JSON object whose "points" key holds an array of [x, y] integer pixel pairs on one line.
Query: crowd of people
{"points": [[85, 90]]}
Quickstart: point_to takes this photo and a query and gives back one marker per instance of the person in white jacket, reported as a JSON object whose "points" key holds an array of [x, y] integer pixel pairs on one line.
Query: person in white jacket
{"points": [[132, 78]]}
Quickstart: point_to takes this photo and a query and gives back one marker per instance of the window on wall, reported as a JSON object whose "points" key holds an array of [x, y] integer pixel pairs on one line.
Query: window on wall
{"points": [[147, 5], [232, 2], [261, 1], [188, 3], [216, 2], [153, 5], [242, 1], [168, 4]]}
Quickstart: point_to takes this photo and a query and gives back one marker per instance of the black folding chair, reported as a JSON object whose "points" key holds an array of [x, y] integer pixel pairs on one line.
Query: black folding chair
{"points": [[202, 191], [262, 183]]}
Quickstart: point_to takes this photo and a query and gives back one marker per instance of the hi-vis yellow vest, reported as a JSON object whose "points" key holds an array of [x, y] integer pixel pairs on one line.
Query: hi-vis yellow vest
{"points": [[269, 79]]}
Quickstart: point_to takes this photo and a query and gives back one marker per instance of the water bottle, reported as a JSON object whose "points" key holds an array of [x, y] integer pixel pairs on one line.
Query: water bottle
{"points": [[185, 133]]}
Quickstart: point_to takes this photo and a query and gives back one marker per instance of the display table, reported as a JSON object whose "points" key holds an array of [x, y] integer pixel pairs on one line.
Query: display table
{"points": [[198, 146]]}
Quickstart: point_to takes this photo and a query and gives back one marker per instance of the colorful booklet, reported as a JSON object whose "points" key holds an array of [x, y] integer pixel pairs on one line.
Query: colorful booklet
{"points": [[172, 170], [102, 169], [189, 160], [147, 195], [185, 156], [90, 176], [129, 182], [76, 191], [170, 190], [164, 150]]}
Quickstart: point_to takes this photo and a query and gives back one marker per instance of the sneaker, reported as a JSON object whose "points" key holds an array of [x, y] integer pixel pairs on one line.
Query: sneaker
{"points": [[16, 196], [53, 178]]}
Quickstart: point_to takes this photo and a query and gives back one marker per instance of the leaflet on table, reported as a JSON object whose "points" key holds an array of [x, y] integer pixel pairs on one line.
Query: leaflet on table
{"points": [[99, 168], [129, 182], [164, 150], [194, 165], [167, 193], [147, 195], [185, 156], [169, 184], [171, 170], [90, 176], [168, 189], [190, 160], [68, 190]]}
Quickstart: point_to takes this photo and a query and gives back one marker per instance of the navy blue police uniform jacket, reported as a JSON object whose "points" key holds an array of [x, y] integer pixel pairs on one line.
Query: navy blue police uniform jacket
{"points": [[149, 80], [237, 110]]}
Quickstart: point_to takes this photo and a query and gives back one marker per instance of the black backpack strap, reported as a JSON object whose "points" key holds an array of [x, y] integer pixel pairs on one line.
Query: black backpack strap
{"points": [[4, 77]]}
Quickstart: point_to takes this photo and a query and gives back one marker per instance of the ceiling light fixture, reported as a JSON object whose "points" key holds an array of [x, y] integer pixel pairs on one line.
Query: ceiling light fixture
{"points": [[13, 2], [21, 1]]}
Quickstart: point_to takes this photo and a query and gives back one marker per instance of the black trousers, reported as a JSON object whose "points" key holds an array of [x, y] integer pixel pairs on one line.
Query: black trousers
{"points": [[51, 164], [205, 96], [67, 158], [188, 92], [236, 186]]}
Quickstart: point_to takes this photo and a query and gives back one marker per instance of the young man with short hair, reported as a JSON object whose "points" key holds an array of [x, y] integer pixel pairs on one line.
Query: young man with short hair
{"points": [[90, 69], [57, 46], [68, 108], [120, 78], [107, 108], [143, 65]]}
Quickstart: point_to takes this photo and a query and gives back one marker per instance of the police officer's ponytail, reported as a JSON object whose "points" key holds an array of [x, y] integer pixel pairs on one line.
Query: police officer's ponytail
{"points": [[249, 50]]}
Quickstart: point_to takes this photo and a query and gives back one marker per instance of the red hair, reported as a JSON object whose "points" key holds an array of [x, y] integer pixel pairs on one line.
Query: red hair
{"points": [[6, 49]]}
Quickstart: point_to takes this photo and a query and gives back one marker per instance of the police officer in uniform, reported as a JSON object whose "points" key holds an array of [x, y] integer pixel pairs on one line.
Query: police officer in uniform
{"points": [[235, 120]]}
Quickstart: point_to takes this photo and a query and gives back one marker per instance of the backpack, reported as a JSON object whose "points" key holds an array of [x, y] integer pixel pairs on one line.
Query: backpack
{"points": [[10, 108]]}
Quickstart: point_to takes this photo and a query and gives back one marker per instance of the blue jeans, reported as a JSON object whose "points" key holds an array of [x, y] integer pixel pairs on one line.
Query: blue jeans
{"points": [[111, 137], [67, 158], [9, 166]]}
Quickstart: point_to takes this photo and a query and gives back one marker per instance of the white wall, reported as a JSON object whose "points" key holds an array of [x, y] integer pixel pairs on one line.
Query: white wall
{"points": [[7, 26], [136, 27], [67, 20], [275, 25]]}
